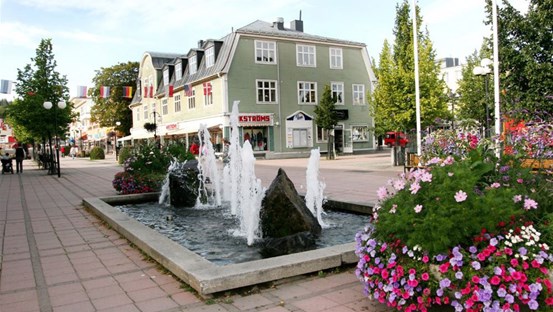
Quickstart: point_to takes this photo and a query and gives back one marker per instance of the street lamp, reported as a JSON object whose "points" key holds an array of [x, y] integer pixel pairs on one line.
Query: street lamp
{"points": [[117, 124], [61, 105], [155, 128], [484, 70]]}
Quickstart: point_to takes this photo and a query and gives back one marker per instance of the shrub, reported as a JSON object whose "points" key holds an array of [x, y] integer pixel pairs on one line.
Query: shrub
{"points": [[145, 167], [126, 183], [97, 153], [472, 230], [124, 153]]}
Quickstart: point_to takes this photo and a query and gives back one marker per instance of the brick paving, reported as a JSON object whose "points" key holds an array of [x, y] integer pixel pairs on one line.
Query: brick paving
{"points": [[56, 256]]}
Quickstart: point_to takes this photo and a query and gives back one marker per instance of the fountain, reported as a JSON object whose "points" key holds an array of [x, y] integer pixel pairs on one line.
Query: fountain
{"points": [[242, 194]]}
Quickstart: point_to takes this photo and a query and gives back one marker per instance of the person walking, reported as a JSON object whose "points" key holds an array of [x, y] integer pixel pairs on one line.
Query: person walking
{"points": [[73, 151], [19, 156]]}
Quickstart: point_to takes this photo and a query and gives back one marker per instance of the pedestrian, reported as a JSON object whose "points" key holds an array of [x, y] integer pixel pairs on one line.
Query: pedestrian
{"points": [[62, 151], [194, 148], [19, 156], [73, 151]]}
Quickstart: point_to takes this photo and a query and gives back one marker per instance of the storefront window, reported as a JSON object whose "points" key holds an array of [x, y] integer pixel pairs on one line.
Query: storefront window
{"points": [[257, 137], [359, 133], [321, 135], [300, 137]]}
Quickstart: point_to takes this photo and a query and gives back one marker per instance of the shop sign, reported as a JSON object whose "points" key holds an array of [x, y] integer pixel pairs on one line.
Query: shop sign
{"points": [[255, 119], [341, 114], [170, 127]]}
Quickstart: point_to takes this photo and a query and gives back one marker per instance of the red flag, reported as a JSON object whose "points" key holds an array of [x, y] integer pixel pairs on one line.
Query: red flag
{"points": [[151, 91], [145, 95], [207, 88], [171, 91]]}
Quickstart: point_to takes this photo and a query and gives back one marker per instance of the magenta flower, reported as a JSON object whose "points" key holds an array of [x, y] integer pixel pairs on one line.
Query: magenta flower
{"points": [[460, 196]]}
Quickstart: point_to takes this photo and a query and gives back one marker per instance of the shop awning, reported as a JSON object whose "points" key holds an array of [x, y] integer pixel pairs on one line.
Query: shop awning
{"points": [[125, 138]]}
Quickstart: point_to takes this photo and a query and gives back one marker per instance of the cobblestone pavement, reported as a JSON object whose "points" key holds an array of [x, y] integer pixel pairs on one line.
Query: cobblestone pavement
{"points": [[56, 256]]}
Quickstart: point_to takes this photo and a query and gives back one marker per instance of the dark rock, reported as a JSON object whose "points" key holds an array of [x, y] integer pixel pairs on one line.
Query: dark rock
{"points": [[272, 247], [184, 184], [283, 211]]}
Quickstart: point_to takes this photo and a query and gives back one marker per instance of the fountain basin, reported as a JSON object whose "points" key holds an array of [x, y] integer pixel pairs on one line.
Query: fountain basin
{"points": [[204, 276]]}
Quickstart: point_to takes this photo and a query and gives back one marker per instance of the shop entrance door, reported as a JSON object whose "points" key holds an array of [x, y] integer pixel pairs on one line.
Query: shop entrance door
{"points": [[348, 145], [339, 139]]}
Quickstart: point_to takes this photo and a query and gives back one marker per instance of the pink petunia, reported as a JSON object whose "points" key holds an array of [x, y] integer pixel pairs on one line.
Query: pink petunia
{"points": [[495, 185], [425, 276], [517, 198], [418, 208], [460, 196]]}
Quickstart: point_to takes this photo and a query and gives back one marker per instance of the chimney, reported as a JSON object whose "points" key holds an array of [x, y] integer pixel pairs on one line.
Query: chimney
{"points": [[296, 25], [279, 24], [200, 44]]}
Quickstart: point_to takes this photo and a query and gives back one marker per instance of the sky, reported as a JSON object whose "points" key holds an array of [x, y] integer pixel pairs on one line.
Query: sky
{"points": [[88, 35]]}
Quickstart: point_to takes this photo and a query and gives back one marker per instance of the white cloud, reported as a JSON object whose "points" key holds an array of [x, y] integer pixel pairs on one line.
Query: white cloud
{"points": [[21, 35]]}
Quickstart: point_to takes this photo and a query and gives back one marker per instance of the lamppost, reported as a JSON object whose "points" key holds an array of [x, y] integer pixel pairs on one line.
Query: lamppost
{"points": [[484, 70], [158, 144], [61, 105], [117, 124]]}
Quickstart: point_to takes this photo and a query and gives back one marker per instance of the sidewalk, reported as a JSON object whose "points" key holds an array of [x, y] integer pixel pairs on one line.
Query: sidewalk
{"points": [[56, 256]]}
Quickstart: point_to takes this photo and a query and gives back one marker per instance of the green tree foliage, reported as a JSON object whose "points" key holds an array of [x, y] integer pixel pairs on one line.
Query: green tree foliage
{"points": [[526, 57], [107, 111], [393, 100], [325, 116], [472, 90], [37, 84]]}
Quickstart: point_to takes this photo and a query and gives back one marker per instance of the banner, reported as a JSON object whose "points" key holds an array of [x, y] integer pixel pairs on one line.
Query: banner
{"points": [[6, 87], [104, 92], [127, 92], [81, 91]]}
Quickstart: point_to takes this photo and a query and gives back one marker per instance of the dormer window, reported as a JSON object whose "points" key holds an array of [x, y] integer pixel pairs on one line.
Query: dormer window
{"points": [[210, 57], [192, 65], [166, 76], [178, 70], [265, 52]]}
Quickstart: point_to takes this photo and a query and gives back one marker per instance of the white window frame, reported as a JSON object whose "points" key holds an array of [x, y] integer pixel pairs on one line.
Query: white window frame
{"points": [[322, 136], [337, 89], [306, 55], [146, 112], [193, 65], [177, 103], [264, 51], [138, 113], [358, 94], [166, 76], [164, 107], [363, 133], [210, 57], [270, 90], [299, 137], [307, 93], [178, 70], [336, 58], [192, 100], [208, 99]]}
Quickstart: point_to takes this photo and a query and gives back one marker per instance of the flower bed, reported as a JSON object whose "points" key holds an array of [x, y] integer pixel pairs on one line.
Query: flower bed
{"points": [[471, 231]]}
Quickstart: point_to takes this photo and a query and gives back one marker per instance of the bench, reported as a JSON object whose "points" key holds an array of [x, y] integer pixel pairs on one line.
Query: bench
{"points": [[536, 165], [412, 161]]}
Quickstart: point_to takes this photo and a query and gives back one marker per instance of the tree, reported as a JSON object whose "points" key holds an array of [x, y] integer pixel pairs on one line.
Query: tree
{"points": [[325, 117], [472, 89], [36, 85], [525, 53], [393, 100], [107, 111]]}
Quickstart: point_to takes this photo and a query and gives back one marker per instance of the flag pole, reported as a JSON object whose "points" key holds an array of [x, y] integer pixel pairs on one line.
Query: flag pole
{"points": [[497, 113], [417, 93]]}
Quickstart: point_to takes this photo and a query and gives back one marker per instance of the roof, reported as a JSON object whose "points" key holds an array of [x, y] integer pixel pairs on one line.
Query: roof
{"points": [[256, 28], [160, 58], [263, 28]]}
